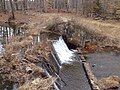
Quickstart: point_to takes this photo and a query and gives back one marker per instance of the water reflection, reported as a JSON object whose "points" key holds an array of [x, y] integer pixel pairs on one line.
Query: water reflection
{"points": [[6, 33], [1, 48], [105, 64], [36, 39]]}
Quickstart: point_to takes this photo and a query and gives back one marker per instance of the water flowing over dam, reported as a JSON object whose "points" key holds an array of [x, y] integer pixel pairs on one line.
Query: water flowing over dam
{"points": [[64, 54], [71, 69]]}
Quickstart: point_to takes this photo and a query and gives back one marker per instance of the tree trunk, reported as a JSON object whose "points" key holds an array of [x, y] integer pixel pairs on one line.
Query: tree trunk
{"points": [[12, 10], [54, 4], [16, 5], [83, 11], [76, 6], [2, 5], [24, 5], [69, 5]]}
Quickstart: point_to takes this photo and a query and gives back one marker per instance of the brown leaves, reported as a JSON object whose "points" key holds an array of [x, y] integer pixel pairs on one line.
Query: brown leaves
{"points": [[39, 84], [109, 83], [20, 54]]}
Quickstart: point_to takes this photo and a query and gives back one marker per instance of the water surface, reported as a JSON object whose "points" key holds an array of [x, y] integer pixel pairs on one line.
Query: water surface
{"points": [[105, 64]]}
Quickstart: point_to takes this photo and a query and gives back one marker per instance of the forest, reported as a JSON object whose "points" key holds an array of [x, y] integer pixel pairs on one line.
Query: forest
{"points": [[59, 44], [89, 8]]}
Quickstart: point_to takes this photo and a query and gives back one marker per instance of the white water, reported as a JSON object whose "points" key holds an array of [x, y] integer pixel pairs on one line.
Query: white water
{"points": [[1, 48], [64, 54]]}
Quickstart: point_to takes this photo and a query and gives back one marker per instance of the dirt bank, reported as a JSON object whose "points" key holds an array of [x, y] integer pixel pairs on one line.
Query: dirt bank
{"points": [[37, 22]]}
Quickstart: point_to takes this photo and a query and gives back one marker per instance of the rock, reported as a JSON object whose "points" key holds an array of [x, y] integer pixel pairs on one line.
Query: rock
{"points": [[29, 70], [93, 65]]}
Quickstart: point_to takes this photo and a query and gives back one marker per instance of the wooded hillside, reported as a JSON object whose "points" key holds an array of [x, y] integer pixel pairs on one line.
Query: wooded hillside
{"points": [[89, 8]]}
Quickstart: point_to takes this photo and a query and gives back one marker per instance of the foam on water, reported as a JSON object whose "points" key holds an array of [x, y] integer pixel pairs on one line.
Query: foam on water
{"points": [[64, 54]]}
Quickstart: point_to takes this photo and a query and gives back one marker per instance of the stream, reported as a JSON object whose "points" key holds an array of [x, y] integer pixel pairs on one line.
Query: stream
{"points": [[105, 64], [72, 71]]}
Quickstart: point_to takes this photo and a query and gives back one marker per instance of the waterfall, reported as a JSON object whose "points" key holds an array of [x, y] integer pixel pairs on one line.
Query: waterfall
{"points": [[62, 51]]}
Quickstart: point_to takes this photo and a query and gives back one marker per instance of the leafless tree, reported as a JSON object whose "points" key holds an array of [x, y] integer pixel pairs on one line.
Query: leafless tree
{"points": [[16, 4], [12, 9]]}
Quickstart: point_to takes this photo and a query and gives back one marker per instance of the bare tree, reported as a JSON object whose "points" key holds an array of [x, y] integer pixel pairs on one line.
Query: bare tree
{"points": [[2, 5], [12, 9], [16, 4], [24, 5]]}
